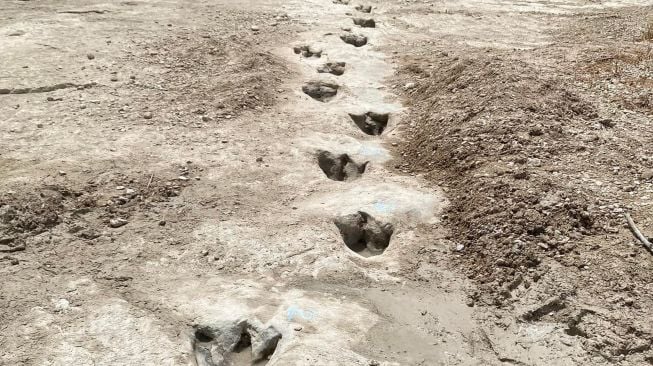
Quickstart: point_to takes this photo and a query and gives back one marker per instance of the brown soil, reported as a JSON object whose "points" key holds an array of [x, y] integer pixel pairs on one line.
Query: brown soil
{"points": [[542, 155]]}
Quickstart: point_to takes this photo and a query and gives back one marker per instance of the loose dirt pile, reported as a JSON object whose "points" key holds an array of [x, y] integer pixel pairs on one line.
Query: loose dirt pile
{"points": [[541, 167]]}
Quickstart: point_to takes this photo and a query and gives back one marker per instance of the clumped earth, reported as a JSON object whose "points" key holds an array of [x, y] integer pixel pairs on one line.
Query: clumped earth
{"points": [[541, 168]]}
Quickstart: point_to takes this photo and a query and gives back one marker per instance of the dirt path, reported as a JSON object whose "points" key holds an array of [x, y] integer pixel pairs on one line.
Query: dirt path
{"points": [[214, 184]]}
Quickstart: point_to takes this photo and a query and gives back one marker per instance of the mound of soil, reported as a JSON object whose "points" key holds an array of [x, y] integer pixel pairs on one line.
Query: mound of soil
{"points": [[539, 178]]}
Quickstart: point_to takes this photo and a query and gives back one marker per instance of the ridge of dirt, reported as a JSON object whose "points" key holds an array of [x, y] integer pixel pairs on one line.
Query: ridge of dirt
{"points": [[540, 168]]}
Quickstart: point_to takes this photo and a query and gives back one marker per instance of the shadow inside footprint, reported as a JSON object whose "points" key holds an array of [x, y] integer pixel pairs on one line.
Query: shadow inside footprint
{"points": [[340, 167], [371, 123], [364, 8], [354, 39], [364, 234], [242, 343], [308, 51], [320, 90], [365, 23], [335, 68]]}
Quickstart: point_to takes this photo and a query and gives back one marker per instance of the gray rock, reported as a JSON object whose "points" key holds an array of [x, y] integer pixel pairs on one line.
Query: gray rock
{"points": [[116, 223]]}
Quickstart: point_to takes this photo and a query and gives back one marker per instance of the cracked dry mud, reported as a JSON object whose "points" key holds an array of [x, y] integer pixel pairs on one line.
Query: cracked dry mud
{"points": [[169, 195]]}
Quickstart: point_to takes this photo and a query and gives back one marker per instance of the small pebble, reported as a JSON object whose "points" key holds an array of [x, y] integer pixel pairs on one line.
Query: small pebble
{"points": [[61, 305], [147, 115], [116, 223], [90, 56]]}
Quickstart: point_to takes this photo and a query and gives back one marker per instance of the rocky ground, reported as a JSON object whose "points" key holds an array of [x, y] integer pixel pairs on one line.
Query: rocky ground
{"points": [[239, 183]]}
